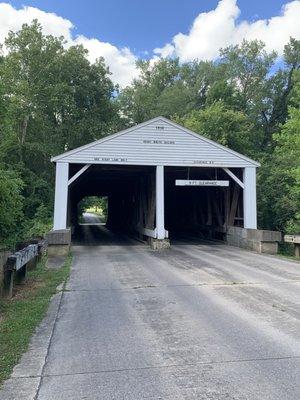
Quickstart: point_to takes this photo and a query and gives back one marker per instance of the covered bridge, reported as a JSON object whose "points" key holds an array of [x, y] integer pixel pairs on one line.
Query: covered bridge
{"points": [[160, 178]]}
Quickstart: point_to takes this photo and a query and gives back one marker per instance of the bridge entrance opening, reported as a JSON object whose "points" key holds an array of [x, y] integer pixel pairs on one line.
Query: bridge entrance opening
{"points": [[201, 202], [92, 210], [114, 196]]}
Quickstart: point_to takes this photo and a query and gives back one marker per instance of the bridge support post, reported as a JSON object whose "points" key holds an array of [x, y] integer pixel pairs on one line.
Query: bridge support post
{"points": [[160, 242], [160, 202], [61, 196], [249, 198]]}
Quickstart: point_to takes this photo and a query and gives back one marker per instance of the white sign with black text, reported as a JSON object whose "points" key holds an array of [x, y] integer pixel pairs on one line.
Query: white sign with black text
{"points": [[192, 182]]}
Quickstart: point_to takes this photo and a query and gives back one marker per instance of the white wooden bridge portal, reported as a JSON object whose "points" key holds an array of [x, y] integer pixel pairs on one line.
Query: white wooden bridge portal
{"points": [[159, 178]]}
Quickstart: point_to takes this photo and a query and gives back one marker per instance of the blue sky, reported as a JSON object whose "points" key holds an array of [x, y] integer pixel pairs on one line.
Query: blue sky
{"points": [[122, 31], [142, 25]]}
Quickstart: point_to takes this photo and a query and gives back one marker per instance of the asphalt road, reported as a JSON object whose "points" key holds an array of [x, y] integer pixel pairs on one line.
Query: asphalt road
{"points": [[198, 321], [90, 218]]}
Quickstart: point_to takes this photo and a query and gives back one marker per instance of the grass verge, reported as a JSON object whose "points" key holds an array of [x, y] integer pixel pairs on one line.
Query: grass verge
{"points": [[286, 250], [20, 315]]}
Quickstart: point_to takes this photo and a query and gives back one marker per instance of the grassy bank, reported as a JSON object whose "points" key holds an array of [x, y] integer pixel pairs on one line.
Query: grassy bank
{"points": [[20, 315], [286, 250]]}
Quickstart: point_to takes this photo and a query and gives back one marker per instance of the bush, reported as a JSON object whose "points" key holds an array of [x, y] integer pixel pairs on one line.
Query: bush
{"points": [[40, 224], [11, 207]]}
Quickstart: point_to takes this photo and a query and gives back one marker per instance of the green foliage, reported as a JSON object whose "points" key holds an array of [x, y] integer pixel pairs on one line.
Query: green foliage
{"points": [[52, 99], [50, 89], [225, 126], [97, 204], [243, 101], [19, 318], [139, 101], [280, 185], [11, 205], [247, 66], [40, 224]]}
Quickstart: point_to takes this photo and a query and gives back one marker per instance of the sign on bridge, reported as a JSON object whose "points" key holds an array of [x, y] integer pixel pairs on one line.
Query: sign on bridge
{"points": [[190, 182]]}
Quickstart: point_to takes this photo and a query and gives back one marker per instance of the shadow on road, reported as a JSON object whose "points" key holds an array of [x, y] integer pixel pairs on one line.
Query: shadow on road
{"points": [[93, 232]]}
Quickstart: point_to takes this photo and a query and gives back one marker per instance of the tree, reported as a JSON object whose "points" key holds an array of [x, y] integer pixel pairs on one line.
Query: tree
{"points": [[139, 101], [261, 93], [55, 100], [280, 87], [247, 66], [11, 206], [52, 99], [279, 189], [227, 127], [242, 100], [167, 88]]}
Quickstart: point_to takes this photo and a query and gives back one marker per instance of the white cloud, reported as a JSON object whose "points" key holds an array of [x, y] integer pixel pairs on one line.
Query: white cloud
{"points": [[209, 32], [121, 62], [219, 28], [12, 19], [166, 51]]}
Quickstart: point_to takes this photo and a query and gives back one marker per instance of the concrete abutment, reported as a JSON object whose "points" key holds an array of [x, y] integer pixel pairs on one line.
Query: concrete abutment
{"points": [[261, 241], [59, 242]]}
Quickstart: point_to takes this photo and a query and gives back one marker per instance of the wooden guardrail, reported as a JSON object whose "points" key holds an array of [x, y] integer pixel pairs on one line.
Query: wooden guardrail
{"points": [[295, 239], [16, 265]]}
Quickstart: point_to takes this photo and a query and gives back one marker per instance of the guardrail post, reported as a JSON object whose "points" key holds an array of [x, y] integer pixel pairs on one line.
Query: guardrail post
{"points": [[295, 240], [40, 251], [8, 283], [9, 276], [297, 250], [20, 275]]}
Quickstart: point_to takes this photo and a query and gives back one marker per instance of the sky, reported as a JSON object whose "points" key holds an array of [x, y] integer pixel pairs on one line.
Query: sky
{"points": [[124, 30]]}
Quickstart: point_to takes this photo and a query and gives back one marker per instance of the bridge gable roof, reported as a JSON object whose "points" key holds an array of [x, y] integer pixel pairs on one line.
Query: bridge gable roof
{"points": [[158, 141]]}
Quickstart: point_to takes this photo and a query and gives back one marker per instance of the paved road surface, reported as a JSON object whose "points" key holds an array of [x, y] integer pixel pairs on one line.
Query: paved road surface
{"points": [[90, 218], [198, 321]]}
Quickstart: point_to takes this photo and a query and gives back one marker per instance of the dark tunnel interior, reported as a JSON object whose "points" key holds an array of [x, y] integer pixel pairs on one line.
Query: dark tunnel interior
{"points": [[197, 210]]}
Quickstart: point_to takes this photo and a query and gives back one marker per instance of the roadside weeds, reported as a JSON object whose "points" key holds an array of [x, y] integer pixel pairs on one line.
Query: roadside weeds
{"points": [[20, 315]]}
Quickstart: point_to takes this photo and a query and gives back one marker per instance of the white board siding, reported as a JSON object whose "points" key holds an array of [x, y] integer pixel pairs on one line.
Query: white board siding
{"points": [[159, 142]]}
